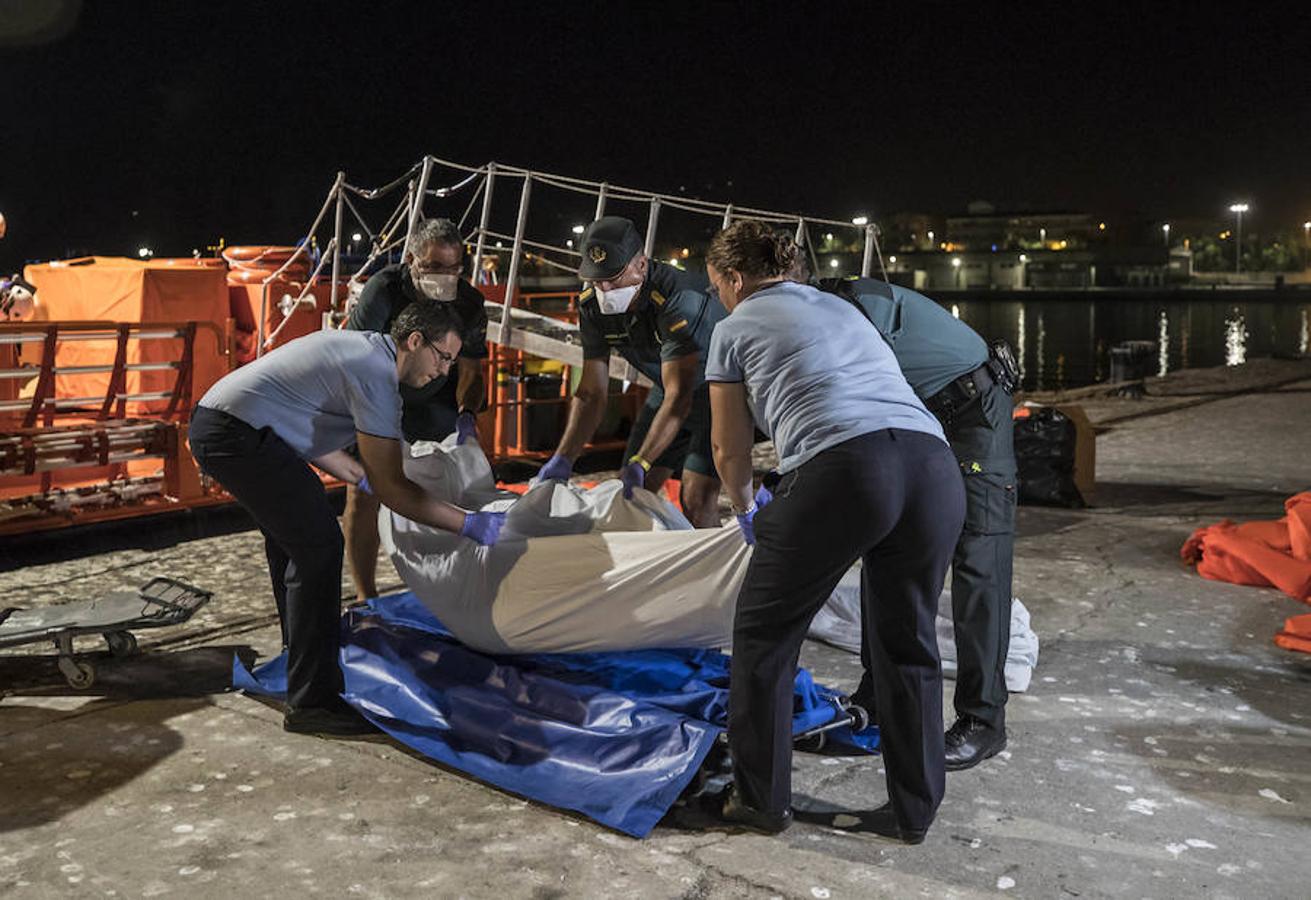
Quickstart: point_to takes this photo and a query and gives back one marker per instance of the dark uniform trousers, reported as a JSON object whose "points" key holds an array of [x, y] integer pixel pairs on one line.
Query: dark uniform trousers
{"points": [[302, 542], [982, 438], [894, 499]]}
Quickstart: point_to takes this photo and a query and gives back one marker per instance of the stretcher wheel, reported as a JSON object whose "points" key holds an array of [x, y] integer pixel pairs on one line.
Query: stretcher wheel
{"points": [[813, 743], [121, 643], [859, 718], [80, 675]]}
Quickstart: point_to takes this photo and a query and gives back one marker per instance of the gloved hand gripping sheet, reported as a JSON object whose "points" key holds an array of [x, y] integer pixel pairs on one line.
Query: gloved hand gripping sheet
{"points": [[574, 570]]}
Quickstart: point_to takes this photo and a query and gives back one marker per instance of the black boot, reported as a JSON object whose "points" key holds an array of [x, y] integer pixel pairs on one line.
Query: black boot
{"points": [[970, 741]]}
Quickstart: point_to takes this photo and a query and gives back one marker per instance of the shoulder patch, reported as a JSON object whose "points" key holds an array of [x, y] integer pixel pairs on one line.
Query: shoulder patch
{"points": [[681, 323], [657, 297], [587, 292]]}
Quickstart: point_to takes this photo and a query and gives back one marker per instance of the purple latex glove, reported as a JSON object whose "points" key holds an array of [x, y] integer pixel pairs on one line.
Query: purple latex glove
{"points": [[746, 521], [363, 485], [466, 426], [483, 527], [557, 468], [633, 475], [764, 496]]}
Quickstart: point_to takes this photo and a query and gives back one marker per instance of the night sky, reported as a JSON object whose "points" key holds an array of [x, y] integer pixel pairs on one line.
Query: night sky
{"points": [[209, 119]]}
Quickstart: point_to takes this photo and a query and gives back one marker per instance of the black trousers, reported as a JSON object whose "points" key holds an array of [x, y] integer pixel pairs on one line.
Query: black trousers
{"points": [[894, 499], [302, 542], [982, 438]]}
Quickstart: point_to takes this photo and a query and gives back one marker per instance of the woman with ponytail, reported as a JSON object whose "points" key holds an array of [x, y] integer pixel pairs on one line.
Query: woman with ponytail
{"points": [[866, 474]]}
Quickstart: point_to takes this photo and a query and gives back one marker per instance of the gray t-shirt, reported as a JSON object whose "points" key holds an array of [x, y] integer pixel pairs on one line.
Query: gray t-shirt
{"points": [[817, 373], [315, 392]]}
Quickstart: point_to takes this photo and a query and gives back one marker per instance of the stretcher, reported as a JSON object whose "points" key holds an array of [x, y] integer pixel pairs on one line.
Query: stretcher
{"points": [[157, 603]]}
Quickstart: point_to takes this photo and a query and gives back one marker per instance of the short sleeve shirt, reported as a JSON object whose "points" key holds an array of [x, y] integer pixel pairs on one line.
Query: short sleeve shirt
{"points": [[816, 372], [317, 391], [932, 346], [672, 316]]}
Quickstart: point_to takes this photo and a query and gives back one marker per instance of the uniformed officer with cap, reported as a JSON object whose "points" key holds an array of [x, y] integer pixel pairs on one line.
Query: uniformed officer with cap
{"points": [[660, 319]]}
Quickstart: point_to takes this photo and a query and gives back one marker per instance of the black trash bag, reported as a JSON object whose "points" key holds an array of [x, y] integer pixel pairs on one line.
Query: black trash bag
{"points": [[1044, 458]]}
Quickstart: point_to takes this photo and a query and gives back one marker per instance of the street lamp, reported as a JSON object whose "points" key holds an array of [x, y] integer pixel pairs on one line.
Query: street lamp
{"points": [[578, 229], [955, 265], [1165, 229], [860, 220], [1238, 209]]}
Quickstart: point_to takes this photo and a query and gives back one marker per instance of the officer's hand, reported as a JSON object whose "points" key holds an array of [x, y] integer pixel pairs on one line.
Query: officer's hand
{"points": [[557, 468], [483, 527], [746, 522], [633, 475], [763, 497], [466, 426]]}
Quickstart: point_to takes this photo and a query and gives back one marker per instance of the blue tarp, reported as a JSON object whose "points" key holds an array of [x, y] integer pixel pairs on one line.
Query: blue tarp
{"points": [[615, 736]]}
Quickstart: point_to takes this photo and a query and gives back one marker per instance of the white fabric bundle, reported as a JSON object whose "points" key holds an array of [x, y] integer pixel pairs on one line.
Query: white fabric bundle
{"points": [[579, 570], [838, 623], [574, 570]]}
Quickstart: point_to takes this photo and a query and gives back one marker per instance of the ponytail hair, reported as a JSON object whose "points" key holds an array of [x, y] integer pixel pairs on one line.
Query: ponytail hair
{"points": [[753, 249]]}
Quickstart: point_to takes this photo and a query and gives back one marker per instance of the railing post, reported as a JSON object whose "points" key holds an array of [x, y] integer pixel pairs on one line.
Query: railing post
{"points": [[651, 220], [867, 262], [416, 208], [601, 196], [728, 217], [483, 221], [336, 239], [512, 278]]}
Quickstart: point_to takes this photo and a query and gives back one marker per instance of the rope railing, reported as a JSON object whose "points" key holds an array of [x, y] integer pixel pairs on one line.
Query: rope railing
{"points": [[408, 213]]}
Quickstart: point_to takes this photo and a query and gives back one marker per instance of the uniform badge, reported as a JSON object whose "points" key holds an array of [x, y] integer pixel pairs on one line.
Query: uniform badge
{"points": [[597, 253]]}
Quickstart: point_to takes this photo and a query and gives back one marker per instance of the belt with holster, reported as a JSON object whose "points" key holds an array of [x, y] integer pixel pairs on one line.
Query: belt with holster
{"points": [[961, 392]]}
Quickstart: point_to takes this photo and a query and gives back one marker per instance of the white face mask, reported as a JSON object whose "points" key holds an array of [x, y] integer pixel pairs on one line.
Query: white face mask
{"points": [[437, 287], [618, 300]]}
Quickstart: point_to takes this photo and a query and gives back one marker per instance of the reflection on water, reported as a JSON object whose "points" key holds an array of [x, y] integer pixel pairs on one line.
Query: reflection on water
{"points": [[1066, 342], [1236, 340], [1163, 344]]}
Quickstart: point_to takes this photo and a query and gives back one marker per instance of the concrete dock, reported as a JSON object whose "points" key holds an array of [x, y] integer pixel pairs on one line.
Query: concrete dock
{"points": [[1163, 749]]}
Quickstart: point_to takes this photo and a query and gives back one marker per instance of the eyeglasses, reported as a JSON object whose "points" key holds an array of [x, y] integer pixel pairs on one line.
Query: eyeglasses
{"points": [[442, 354]]}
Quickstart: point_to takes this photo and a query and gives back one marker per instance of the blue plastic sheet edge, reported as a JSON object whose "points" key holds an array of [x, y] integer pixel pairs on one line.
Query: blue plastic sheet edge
{"points": [[613, 736]]}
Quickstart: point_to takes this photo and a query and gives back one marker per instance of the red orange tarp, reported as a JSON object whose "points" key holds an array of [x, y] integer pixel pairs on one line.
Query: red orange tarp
{"points": [[115, 289], [1266, 554]]}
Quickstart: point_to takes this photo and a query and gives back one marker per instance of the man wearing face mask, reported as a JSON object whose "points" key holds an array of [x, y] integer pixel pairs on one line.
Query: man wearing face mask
{"points": [[660, 319], [430, 272]]}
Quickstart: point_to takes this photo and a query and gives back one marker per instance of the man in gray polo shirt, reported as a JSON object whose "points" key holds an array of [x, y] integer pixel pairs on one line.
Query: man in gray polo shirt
{"points": [[257, 430]]}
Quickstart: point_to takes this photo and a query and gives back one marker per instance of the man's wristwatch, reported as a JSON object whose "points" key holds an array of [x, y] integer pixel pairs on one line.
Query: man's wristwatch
{"points": [[637, 458], [751, 507]]}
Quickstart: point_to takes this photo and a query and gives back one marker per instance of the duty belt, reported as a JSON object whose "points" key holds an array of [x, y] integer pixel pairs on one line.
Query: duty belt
{"points": [[961, 392]]}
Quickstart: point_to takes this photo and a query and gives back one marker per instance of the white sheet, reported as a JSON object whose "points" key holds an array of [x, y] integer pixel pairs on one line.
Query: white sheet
{"points": [[838, 623], [579, 570], [575, 570]]}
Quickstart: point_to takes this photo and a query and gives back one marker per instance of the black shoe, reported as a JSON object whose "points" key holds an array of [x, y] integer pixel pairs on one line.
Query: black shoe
{"points": [[970, 741], [881, 821], [723, 811], [336, 720]]}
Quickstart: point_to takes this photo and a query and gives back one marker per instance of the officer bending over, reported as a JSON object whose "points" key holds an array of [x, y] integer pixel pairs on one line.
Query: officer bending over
{"points": [[659, 318], [968, 387], [256, 431], [866, 475]]}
